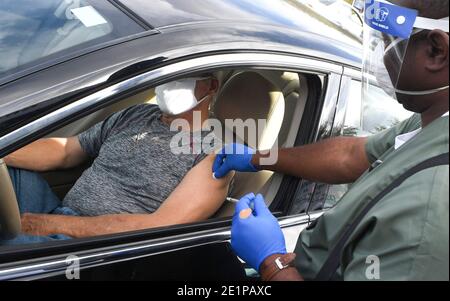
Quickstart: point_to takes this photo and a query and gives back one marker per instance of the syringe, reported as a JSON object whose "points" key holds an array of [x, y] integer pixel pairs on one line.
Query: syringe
{"points": [[235, 201]]}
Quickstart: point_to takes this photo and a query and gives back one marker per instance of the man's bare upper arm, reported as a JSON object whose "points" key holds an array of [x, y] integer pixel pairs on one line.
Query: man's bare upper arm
{"points": [[198, 196]]}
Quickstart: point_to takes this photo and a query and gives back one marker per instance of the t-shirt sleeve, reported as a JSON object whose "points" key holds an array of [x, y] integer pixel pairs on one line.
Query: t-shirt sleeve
{"points": [[379, 143], [92, 140], [406, 236], [209, 144]]}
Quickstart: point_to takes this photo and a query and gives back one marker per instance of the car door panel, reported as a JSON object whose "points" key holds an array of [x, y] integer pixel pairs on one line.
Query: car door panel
{"points": [[207, 262], [200, 255], [196, 255]]}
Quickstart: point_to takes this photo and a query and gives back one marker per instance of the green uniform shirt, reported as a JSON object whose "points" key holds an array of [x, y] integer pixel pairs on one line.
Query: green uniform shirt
{"points": [[408, 230]]}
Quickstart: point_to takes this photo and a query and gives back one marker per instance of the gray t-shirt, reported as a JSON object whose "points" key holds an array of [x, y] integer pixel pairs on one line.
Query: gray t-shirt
{"points": [[134, 169]]}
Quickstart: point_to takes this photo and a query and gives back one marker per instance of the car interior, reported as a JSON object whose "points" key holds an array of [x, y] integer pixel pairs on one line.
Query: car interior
{"points": [[278, 97]]}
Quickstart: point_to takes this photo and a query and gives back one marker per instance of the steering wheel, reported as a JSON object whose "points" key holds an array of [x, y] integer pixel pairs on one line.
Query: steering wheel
{"points": [[10, 223]]}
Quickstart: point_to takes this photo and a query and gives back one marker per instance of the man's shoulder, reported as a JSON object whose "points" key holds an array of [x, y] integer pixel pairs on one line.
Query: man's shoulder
{"points": [[409, 125], [142, 110], [413, 123], [377, 145], [135, 114]]}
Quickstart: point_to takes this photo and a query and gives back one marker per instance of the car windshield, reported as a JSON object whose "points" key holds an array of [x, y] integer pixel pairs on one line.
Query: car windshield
{"points": [[340, 13], [34, 31]]}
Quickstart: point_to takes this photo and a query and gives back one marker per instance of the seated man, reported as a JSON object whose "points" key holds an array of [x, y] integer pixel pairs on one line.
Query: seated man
{"points": [[135, 182]]}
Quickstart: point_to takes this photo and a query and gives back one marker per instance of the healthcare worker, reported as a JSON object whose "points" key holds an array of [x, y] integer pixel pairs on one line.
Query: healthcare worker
{"points": [[393, 224]]}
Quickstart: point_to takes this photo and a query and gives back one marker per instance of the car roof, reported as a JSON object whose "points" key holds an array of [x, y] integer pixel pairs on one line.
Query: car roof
{"points": [[294, 14], [160, 13]]}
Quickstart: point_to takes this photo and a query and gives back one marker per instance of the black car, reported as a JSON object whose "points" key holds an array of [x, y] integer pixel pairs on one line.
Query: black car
{"points": [[66, 65]]}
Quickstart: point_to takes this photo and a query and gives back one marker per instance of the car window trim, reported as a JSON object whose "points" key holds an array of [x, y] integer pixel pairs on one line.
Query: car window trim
{"points": [[42, 267], [131, 14], [72, 56], [62, 116], [326, 122], [169, 72], [354, 73], [337, 125]]}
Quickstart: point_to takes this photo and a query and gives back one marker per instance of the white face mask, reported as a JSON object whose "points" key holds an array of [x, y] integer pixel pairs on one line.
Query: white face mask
{"points": [[178, 97]]}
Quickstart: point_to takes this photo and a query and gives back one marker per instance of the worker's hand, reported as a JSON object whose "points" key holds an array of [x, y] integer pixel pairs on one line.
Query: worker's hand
{"points": [[255, 234], [233, 157]]}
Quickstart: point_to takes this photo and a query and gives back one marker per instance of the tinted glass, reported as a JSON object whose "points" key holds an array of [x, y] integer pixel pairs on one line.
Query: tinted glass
{"points": [[32, 32]]}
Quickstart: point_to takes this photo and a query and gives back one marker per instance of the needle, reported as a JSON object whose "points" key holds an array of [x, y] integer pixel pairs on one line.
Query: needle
{"points": [[235, 201]]}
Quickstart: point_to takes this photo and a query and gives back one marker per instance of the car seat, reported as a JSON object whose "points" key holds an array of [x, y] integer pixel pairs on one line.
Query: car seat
{"points": [[276, 96]]}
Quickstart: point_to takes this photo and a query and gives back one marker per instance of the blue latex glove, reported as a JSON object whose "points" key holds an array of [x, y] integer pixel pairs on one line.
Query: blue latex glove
{"points": [[233, 157], [259, 236]]}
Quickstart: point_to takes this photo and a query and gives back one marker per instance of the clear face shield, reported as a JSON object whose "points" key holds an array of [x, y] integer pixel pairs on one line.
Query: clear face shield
{"points": [[387, 32]]}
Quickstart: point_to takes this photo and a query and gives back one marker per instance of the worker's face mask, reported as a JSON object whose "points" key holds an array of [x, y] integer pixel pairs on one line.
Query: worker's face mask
{"points": [[178, 97], [387, 32]]}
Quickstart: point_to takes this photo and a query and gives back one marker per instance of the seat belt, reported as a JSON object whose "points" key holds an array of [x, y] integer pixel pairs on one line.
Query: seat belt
{"points": [[333, 261]]}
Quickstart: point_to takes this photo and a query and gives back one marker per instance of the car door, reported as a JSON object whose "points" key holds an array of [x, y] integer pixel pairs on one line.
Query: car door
{"points": [[357, 117], [183, 252]]}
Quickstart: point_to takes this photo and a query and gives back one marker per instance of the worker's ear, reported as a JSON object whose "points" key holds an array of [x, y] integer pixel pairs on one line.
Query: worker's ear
{"points": [[437, 51]]}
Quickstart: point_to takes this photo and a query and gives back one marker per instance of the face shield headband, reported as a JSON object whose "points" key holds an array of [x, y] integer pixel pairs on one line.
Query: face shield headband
{"points": [[387, 33]]}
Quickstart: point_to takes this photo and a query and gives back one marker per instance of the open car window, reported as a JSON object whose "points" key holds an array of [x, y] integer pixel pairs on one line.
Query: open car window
{"points": [[34, 32], [278, 97]]}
